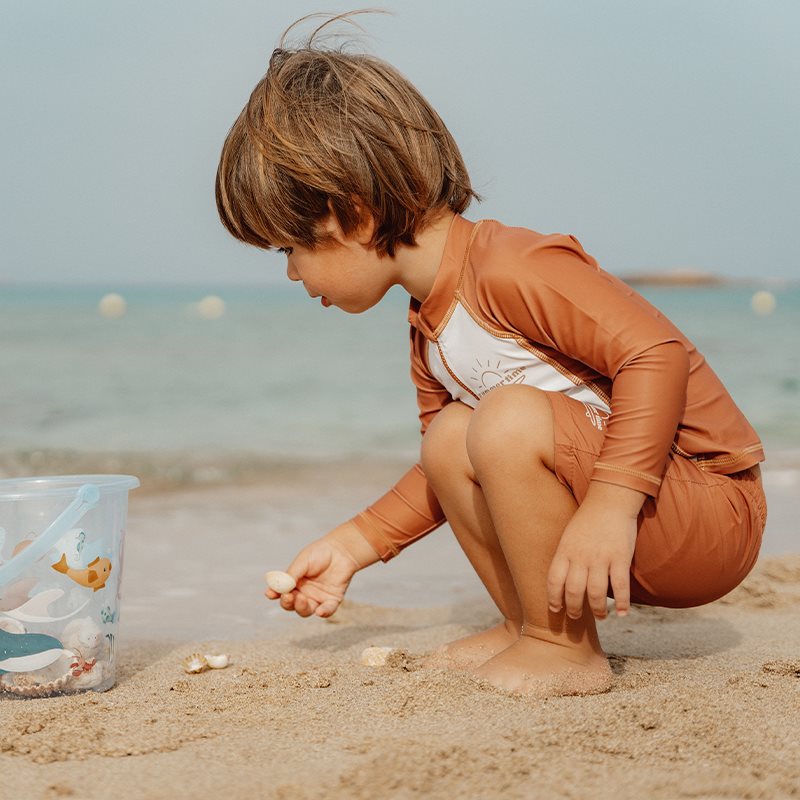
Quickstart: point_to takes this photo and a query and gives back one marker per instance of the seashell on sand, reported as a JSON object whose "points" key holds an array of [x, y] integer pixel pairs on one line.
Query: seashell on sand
{"points": [[25, 686], [280, 582], [194, 663], [377, 656], [217, 662], [88, 680]]}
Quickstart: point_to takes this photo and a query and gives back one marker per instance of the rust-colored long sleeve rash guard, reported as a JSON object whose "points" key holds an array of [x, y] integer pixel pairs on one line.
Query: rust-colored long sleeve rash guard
{"points": [[510, 305]]}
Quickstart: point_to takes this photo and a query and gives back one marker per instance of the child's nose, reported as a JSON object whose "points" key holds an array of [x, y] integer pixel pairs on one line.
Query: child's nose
{"points": [[291, 272]]}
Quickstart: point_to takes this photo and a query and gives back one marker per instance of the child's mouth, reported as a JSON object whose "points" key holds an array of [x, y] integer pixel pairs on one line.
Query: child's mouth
{"points": [[325, 302]]}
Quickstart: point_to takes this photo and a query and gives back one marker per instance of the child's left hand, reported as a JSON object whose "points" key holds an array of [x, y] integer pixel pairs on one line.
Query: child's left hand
{"points": [[597, 545]]}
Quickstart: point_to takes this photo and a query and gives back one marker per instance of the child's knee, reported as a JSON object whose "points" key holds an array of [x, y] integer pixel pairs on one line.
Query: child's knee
{"points": [[444, 443], [511, 421]]}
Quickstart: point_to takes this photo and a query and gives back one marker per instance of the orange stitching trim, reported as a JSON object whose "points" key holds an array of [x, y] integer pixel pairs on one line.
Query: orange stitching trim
{"points": [[628, 471], [729, 459], [466, 252], [526, 345], [443, 324], [448, 314], [604, 396], [452, 374], [681, 452], [380, 534], [410, 505], [474, 314]]}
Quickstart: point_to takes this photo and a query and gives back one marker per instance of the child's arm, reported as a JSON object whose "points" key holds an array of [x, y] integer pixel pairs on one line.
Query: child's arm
{"points": [[323, 571], [408, 511]]}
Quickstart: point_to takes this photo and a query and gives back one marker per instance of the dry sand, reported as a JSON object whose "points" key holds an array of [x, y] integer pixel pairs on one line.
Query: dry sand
{"points": [[705, 703]]}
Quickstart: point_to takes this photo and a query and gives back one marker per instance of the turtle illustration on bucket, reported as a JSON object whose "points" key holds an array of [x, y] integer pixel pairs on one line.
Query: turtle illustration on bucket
{"points": [[59, 588]]}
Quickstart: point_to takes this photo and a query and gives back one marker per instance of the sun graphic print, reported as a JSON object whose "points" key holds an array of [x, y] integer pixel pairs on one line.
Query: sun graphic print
{"points": [[488, 376]]}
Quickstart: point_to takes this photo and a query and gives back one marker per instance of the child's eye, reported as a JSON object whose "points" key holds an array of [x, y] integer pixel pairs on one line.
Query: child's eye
{"points": [[286, 250]]}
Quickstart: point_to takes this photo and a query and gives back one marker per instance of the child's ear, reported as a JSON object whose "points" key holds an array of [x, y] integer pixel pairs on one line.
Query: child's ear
{"points": [[362, 234], [366, 227]]}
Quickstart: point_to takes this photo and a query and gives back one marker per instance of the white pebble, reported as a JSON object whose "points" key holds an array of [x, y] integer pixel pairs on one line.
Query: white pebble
{"points": [[280, 582], [113, 306], [377, 656], [763, 302]]}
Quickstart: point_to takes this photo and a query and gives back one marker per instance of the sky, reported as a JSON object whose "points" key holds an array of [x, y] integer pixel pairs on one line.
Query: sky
{"points": [[662, 134]]}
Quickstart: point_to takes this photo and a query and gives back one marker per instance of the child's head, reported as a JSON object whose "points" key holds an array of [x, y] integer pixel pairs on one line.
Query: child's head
{"points": [[326, 131]]}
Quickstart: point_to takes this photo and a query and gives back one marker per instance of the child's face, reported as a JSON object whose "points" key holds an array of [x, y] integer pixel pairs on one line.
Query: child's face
{"points": [[346, 273]]}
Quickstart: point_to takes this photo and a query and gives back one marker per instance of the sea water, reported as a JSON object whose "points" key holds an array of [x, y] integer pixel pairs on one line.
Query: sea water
{"points": [[278, 377]]}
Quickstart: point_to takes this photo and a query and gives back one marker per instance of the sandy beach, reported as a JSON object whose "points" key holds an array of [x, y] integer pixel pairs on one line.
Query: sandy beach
{"points": [[705, 702]]}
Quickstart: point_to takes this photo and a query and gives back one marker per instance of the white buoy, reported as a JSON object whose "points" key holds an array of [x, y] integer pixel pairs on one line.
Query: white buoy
{"points": [[211, 307], [113, 306], [763, 302]]}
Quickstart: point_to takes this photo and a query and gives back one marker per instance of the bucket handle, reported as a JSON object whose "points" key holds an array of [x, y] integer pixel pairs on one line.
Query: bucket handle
{"points": [[85, 500]]}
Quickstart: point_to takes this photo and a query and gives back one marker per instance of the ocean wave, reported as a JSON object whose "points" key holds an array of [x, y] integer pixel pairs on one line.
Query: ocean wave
{"points": [[160, 472]]}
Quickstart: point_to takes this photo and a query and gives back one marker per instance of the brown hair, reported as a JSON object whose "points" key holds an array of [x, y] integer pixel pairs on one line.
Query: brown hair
{"points": [[331, 131]]}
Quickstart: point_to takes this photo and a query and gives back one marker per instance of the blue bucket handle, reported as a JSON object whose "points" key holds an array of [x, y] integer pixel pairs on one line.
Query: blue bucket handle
{"points": [[85, 500]]}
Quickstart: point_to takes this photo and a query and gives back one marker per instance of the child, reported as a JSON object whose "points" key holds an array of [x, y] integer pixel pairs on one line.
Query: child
{"points": [[577, 443]]}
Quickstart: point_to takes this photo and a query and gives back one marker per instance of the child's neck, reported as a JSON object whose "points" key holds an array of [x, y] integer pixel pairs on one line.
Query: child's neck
{"points": [[416, 267]]}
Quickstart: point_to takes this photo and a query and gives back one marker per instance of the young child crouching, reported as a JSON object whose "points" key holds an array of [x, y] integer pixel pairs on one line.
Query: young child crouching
{"points": [[575, 440]]}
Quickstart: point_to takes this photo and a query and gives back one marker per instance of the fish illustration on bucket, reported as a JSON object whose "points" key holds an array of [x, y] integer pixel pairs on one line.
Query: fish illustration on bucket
{"points": [[61, 548]]}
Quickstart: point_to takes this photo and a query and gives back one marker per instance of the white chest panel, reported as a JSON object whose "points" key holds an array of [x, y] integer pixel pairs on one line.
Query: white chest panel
{"points": [[469, 362]]}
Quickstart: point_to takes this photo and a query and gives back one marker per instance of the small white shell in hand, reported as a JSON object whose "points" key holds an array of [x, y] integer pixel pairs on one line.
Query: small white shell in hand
{"points": [[376, 656], [280, 582]]}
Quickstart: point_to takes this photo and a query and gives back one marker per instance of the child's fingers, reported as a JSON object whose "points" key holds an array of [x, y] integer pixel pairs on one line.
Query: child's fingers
{"points": [[304, 606], [596, 591], [575, 590], [327, 608], [287, 601], [621, 586], [556, 577]]}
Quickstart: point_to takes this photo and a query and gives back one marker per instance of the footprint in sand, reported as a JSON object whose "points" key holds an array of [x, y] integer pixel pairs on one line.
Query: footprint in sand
{"points": [[790, 669]]}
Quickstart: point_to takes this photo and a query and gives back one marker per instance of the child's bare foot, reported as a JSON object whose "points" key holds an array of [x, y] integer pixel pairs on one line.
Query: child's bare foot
{"points": [[472, 651], [539, 668]]}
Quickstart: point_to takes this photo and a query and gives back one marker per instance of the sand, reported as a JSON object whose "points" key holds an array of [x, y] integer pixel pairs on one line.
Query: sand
{"points": [[705, 702]]}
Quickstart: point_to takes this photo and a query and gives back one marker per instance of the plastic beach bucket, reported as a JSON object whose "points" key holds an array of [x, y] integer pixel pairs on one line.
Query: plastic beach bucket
{"points": [[61, 541]]}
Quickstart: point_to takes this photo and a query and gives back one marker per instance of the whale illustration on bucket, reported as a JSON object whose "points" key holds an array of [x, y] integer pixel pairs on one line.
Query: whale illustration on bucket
{"points": [[61, 543]]}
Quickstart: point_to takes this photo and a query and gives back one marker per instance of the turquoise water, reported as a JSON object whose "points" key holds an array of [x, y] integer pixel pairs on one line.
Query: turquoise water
{"points": [[279, 376]]}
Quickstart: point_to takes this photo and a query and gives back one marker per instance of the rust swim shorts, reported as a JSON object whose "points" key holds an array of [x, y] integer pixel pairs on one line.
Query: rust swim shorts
{"points": [[697, 540]]}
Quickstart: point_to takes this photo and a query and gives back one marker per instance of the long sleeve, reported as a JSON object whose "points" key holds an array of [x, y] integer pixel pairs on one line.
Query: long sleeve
{"points": [[407, 512]]}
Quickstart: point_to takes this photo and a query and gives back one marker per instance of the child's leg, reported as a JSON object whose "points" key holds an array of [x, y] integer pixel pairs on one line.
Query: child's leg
{"points": [[508, 503], [510, 443], [532, 507], [448, 469]]}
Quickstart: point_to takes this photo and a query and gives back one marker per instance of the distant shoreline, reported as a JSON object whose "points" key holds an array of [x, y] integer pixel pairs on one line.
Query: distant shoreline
{"points": [[677, 277], [689, 278]]}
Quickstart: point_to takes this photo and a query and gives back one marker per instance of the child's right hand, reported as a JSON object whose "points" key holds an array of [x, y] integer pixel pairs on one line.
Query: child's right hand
{"points": [[323, 571]]}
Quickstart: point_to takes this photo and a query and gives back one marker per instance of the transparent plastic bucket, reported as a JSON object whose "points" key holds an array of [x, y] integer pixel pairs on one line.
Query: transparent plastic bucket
{"points": [[61, 541]]}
